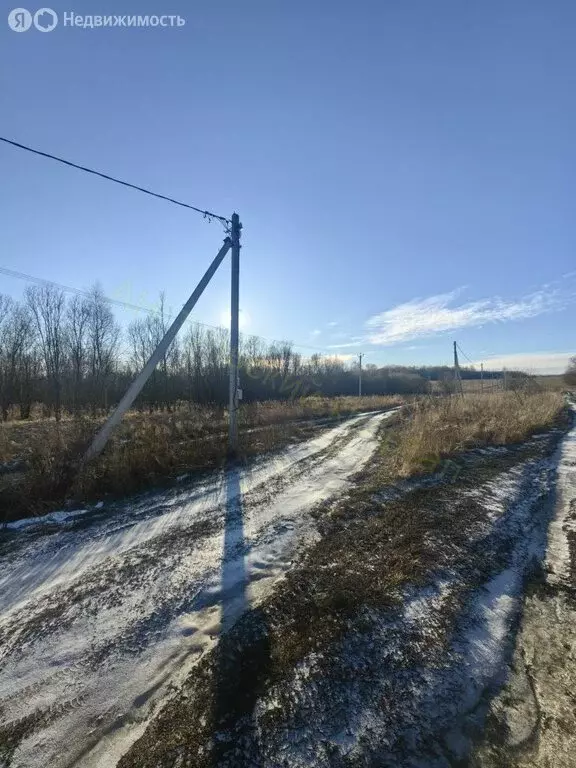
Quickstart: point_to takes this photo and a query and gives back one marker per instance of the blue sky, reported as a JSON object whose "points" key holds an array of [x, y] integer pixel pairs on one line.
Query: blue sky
{"points": [[405, 171]]}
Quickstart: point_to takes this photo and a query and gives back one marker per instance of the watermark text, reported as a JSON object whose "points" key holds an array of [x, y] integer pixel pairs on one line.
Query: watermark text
{"points": [[46, 19]]}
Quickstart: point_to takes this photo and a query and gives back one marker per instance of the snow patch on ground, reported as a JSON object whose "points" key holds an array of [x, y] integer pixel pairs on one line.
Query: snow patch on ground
{"points": [[55, 518], [564, 523]]}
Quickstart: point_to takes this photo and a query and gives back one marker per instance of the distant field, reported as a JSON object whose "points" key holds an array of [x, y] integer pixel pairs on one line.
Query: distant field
{"points": [[552, 383], [547, 383], [471, 385]]}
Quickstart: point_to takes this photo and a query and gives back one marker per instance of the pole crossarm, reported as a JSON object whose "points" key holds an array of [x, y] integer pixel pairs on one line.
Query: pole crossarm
{"points": [[137, 385]]}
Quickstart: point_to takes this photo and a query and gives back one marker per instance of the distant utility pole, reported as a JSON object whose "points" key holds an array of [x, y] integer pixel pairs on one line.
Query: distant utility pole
{"points": [[360, 356], [235, 393], [481, 377], [457, 376]]}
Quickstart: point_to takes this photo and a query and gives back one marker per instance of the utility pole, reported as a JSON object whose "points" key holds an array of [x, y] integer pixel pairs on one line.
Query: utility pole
{"points": [[481, 377], [457, 377], [136, 387], [360, 356], [234, 386]]}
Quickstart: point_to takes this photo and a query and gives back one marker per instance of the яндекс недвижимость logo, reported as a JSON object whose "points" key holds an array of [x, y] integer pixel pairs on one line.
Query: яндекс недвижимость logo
{"points": [[20, 20], [45, 20]]}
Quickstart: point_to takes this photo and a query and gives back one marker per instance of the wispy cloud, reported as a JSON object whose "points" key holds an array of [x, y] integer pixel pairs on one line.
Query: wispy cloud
{"points": [[348, 341], [332, 324], [316, 332], [531, 362], [425, 317]]}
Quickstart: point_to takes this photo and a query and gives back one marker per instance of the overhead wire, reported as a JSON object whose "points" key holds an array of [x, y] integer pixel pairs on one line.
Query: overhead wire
{"points": [[464, 353], [205, 213]]}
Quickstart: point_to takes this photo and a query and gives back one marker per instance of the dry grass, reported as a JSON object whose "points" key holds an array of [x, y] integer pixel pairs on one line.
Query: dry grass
{"points": [[469, 385], [148, 449], [279, 411], [436, 428], [20, 438]]}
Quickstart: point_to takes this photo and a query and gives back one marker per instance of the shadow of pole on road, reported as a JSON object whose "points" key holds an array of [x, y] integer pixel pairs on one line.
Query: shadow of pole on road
{"points": [[242, 656]]}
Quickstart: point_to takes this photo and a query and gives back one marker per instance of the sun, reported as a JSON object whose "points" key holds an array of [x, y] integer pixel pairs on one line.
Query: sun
{"points": [[243, 320]]}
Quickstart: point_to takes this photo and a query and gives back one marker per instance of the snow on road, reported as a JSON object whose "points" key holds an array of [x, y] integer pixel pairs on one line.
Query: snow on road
{"points": [[98, 621], [563, 527]]}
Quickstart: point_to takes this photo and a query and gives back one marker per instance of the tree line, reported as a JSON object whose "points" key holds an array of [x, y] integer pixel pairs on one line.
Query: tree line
{"points": [[570, 373], [70, 355]]}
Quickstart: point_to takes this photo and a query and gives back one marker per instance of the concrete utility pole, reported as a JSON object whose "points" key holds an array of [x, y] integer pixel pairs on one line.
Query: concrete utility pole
{"points": [[457, 377], [136, 387], [481, 377], [234, 386], [360, 356]]}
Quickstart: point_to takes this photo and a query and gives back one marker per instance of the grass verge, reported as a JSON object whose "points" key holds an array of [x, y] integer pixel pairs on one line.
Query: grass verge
{"points": [[433, 429]]}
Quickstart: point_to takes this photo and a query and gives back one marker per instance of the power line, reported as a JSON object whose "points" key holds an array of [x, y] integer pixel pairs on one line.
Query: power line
{"points": [[206, 214], [464, 353], [70, 289], [139, 308]]}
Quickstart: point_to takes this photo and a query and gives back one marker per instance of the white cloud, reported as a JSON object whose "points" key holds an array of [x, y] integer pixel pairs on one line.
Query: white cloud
{"points": [[531, 362], [425, 317], [342, 358], [315, 332], [332, 324], [355, 341]]}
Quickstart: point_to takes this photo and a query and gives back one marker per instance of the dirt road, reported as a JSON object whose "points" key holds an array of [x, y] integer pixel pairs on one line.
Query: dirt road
{"points": [[389, 642], [103, 616]]}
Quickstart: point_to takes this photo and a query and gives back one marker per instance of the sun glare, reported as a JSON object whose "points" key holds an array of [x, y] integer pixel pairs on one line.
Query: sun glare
{"points": [[244, 319]]}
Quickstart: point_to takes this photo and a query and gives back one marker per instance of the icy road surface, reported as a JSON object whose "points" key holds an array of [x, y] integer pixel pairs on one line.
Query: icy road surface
{"points": [[98, 621]]}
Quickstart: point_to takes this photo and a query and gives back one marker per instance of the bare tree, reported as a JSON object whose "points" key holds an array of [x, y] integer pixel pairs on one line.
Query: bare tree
{"points": [[143, 338], [77, 316], [6, 311], [103, 335], [570, 374], [19, 362], [161, 323], [47, 305], [6, 305], [29, 372], [68, 355]]}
